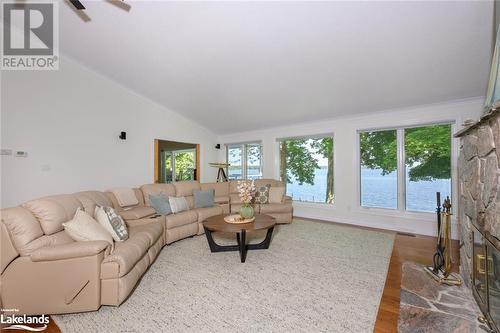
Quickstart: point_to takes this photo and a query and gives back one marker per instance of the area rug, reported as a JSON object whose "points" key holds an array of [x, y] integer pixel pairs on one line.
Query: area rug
{"points": [[428, 306], [315, 277]]}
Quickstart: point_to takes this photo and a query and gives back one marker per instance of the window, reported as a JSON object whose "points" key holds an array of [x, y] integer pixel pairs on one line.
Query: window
{"points": [[417, 158], [379, 163], [428, 166], [245, 161], [306, 167]]}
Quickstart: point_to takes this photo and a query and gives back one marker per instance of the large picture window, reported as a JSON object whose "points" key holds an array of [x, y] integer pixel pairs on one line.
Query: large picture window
{"points": [[428, 166], [306, 167], [245, 160], [379, 163], [404, 168]]}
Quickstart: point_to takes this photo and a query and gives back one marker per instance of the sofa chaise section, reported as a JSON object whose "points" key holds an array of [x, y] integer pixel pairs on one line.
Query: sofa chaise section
{"points": [[43, 269]]}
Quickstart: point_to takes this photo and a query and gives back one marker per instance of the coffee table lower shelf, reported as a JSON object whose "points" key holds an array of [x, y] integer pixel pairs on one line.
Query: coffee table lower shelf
{"points": [[241, 247]]}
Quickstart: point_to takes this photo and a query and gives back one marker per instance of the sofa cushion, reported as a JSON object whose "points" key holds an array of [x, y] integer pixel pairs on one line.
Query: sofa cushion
{"points": [[84, 228], [22, 226], [125, 196], [276, 208], [58, 238], [90, 199], [138, 212], [205, 213], [160, 203], [118, 207], [53, 211], [272, 182], [235, 198], [125, 255], [222, 199], [221, 188], [157, 189], [185, 188], [204, 199], [183, 218], [152, 230]]}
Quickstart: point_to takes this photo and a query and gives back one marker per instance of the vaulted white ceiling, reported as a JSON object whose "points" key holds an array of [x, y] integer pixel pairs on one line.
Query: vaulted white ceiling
{"points": [[235, 66]]}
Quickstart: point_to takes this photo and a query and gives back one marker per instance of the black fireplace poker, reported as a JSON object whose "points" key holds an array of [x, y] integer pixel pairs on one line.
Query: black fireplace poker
{"points": [[438, 258]]}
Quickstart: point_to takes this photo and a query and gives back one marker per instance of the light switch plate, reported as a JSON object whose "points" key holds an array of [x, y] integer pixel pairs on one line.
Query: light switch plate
{"points": [[21, 153]]}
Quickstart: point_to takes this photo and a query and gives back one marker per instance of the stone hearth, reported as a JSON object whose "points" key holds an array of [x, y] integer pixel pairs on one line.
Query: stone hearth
{"points": [[427, 306]]}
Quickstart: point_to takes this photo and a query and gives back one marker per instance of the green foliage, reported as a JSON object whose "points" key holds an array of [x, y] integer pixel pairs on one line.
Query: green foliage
{"points": [[427, 151], [184, 165], [299, 161], [379, 150]]}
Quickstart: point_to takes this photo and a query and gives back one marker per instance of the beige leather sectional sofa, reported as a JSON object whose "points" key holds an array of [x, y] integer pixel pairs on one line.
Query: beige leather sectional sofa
{"points": [[44, 271]]}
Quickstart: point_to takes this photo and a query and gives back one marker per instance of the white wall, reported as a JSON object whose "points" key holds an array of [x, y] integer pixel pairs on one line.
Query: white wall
{"points": [[69, 121], [347, 208]]}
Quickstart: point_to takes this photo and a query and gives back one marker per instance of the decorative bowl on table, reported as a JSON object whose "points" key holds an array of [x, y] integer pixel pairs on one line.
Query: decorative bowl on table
{"points": [[237, 219]]}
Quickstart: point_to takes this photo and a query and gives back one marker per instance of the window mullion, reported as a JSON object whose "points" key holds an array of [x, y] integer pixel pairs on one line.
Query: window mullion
{"points": [[244, 161], [401, 170]]}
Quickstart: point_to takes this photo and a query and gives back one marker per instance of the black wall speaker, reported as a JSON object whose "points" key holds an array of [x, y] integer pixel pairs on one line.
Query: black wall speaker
{"points": [[217, 146], [123, 136]]}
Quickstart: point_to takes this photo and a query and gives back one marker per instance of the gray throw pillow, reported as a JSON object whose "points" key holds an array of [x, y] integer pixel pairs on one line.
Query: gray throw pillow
{"points": [[160, 204], [204, 199]]}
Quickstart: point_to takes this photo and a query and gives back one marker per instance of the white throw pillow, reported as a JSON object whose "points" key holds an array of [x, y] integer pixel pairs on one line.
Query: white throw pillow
{"points": [[112, 222], [84, 228], [178, 204], [276, 194]]}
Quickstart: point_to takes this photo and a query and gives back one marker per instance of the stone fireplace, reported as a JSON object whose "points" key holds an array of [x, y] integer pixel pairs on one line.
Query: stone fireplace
{"points": [[479, 212]]}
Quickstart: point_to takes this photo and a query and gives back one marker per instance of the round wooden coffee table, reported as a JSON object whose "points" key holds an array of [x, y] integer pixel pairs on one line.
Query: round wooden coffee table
{"points": [[217, 224]]}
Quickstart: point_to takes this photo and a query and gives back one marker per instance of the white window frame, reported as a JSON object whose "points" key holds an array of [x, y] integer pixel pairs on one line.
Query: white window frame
{"points": [[244, 166], [401, 169], [312, 136]]}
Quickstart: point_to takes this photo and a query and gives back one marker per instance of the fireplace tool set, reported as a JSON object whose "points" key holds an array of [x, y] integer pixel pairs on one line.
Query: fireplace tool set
{"points": [[441, 261]]}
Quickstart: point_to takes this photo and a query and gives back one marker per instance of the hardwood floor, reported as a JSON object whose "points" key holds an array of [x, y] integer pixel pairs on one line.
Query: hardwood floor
{"points": [[418, 249], [414, 248]]}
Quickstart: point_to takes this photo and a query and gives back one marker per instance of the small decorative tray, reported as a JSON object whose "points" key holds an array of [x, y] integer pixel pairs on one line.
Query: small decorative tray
{"points": [[237, 219]]}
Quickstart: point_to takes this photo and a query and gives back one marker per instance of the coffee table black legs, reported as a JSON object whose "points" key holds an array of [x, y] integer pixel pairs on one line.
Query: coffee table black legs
{"points": [[241, 247]]}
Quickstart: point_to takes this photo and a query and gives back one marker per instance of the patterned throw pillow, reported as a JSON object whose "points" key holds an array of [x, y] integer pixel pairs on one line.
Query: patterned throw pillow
{"points": [[262, 194], [112, 222]]}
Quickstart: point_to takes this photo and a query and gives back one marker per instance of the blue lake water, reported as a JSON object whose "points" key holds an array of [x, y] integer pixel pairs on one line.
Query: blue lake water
{"points": [[377, 190]]}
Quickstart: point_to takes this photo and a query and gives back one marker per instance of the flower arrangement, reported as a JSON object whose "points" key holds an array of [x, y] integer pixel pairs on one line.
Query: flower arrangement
{"points": [[246, 190]]}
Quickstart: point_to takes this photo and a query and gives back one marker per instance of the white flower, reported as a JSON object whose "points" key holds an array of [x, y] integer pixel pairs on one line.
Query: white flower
{"points": [[246, 190]]}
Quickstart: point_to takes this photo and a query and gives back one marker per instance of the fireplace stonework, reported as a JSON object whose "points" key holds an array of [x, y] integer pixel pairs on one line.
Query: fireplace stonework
{"points": [[479, 188], [479, 212]]}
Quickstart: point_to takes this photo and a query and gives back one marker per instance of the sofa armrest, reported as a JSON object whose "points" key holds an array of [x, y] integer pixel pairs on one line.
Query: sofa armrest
{"points": [[69, 251], [137, 213]]}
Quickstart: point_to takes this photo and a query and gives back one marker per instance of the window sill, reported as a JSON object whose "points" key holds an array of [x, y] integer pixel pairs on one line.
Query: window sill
{"points": [[311, 204], [424, 216]]}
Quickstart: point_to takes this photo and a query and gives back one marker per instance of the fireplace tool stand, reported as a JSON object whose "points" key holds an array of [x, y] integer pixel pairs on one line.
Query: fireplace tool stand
{"points": [[441, 261]]}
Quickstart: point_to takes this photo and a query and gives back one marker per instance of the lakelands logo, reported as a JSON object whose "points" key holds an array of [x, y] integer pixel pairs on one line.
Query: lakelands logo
{"points": [[30, 34], [23, 322]]}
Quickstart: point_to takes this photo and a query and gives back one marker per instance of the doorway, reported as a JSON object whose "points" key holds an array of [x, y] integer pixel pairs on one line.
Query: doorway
{"points": [[176, 161]]}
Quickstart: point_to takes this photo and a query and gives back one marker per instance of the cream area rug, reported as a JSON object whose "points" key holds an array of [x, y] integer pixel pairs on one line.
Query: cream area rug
{"points": [[315, 277]]}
